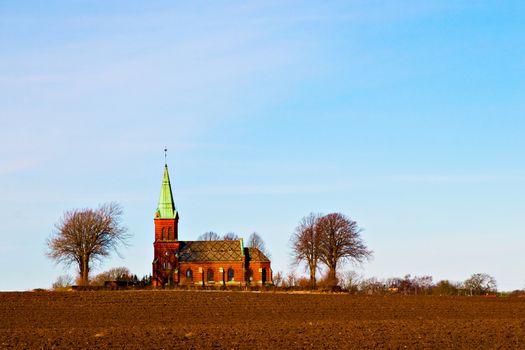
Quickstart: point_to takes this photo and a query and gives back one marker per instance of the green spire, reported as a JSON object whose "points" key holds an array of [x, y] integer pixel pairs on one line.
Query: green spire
{"points": [[166, 208]]}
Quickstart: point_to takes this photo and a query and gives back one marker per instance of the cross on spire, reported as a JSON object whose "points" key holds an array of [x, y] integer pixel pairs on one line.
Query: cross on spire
{"points": [[165, 155]]}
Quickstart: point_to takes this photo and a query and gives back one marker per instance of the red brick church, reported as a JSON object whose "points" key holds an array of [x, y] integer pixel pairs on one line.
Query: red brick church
{"points": [[201, 263]]}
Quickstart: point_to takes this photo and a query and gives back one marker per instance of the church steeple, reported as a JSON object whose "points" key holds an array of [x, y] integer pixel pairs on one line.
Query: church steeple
{"points": [[166, 244], [166, 207]]}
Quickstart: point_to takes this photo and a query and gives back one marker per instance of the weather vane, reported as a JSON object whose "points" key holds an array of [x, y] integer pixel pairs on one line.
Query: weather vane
{"points": [[165, 155]]}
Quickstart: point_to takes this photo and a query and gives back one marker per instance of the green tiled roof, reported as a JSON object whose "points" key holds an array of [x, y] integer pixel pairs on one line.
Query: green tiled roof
{"points": [[166, 208]]}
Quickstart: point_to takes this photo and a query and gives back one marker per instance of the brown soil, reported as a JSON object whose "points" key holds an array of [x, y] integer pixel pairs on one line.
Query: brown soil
{"points": [[231, 320]]}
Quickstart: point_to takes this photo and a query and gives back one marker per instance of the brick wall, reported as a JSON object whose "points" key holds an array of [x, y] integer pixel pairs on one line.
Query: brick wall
{"points": [[166, 229], [167, 269], [220, 273], [260, 268]]}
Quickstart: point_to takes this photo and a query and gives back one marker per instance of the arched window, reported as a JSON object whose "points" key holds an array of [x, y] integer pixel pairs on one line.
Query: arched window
{"points": [[169, 233], [231, 274], [169, 265], [164, 265], [163, 234], [210, 275], [189, 274]]}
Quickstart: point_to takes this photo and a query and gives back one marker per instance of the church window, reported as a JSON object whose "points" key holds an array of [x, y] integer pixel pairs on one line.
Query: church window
{"points": [[163, 234], [189, 274], [169, 233], [210, 275], [164, 265], [169, 265], [231, 274]]}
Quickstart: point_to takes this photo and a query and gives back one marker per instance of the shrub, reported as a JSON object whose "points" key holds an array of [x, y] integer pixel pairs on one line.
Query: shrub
{"points": [[62, 282], [445, 287]]}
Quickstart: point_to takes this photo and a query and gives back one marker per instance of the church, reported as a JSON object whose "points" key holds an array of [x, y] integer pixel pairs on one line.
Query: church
{"points": [[219, 263]]}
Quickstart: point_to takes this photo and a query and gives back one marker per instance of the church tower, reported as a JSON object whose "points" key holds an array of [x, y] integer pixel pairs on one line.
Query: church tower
{"points": [[166, 244]]}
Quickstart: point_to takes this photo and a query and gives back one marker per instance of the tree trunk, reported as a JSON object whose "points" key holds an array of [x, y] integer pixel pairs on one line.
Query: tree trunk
{"points": [[312, 275], [84, 271], [332, 276]]}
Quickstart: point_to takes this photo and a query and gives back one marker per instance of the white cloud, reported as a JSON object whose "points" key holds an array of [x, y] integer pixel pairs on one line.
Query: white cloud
{"points": [[245, 190], [454, 178], [18, 165]]}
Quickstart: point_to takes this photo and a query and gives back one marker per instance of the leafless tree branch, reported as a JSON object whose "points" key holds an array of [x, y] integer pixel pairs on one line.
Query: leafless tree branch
{"points": [[84, 236]]}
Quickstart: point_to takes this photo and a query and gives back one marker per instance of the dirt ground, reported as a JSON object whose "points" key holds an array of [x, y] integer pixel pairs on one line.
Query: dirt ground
{"points": [[241, 320]]}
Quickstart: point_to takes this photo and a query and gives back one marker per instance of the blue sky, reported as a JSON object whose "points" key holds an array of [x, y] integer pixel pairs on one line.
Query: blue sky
{"points": [[407, 116]]}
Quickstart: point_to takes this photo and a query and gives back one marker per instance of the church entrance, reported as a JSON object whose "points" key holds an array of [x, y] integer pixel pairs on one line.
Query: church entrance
{"points": [[263, 276]]}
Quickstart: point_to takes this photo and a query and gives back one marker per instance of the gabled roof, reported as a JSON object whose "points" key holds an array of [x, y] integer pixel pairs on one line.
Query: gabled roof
{"points": [[254, 254], [166, 208], [209, 251]]}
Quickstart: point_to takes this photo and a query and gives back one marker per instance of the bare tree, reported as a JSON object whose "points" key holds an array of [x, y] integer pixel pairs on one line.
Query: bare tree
{"points": [[340, 241], [84, 236], [230, 236], [62, 281], [350, 280], [373, 286], [480, 283], [209, 236], [290, 280], [113, 274], [278, 279], [306, 243], [422, 284], [256, 241]]}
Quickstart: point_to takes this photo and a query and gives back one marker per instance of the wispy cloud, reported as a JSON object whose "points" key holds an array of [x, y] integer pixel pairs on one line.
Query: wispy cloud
{"points": [[18, 165], [270, 190], [352, 184], [454, 178]]}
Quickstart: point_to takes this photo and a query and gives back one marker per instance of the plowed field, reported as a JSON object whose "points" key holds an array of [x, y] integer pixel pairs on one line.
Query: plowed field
{"points": [[232, 320]]}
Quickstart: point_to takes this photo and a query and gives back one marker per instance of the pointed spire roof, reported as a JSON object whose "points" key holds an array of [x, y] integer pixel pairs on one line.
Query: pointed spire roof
{"points": [[166, 208]]}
